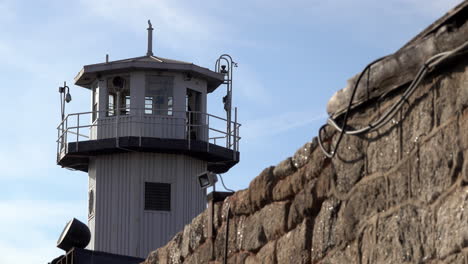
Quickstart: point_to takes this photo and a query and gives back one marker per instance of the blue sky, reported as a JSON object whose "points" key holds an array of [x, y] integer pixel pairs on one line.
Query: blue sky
{"points": [[292, 57]]}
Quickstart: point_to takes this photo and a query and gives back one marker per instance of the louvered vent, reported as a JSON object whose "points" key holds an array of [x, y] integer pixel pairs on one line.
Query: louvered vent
{"points": [[157, 196]]}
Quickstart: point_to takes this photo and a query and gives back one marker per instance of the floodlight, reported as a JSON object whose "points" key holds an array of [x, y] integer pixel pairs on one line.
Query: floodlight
{"points": [[207, 179], [75, 234]]}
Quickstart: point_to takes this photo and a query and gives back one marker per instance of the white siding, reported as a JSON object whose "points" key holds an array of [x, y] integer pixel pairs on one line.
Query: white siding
{"points": [[122, 225]]}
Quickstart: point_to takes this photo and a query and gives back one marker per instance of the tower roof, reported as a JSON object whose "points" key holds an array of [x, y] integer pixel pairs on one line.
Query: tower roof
{"points": [[89, 73]]}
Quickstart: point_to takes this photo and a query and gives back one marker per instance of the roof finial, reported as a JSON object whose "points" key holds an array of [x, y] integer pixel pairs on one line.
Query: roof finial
{"points": [[150, 39]]}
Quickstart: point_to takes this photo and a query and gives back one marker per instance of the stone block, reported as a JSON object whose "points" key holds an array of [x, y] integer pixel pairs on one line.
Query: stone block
{"points": [[349, 162], [402, 237], [368, 198], [451, 94], [253, 235], [324, 229], [383, 147], [302, 155], [349, 255], [267, 254], [463, 128], [283, 190], [174, 249], [261, 187], [294, 247], [198, 231], [417, 121], [439, 160], [315, 165], [399, 184], [303, 205], [283, 169], [239, 258], [240, 203], [273, 218], [233, 238], [452, 224]]}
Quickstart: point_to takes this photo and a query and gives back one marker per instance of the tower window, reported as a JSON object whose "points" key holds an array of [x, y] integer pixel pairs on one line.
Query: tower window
{"points": [[118, 96], [157, 196], [159, 98]]}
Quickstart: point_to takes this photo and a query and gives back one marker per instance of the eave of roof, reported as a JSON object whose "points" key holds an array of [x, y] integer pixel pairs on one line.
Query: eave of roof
{"points": [[89, 73]]}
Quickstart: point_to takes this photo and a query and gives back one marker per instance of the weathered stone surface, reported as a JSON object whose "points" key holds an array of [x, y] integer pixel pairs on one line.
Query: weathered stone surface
{"points": [[240, 203], [403, 237], [368, 198], [283, 190], [233, 238], [303, 205], [399, 184], [202, 255], [439, 163], [239, 258], [324, 230], [284, 168], [302, 155], [349, 255], [261, 187], [294, 247], [286, 188], [463, 125], [273, 218], [452, 224], [349, 162], [253, 234], [174, 249], [417, 121], [266, 255], [383, 149]]}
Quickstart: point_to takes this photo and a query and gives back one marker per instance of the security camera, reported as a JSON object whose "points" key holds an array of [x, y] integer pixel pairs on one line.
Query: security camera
{"points": [[207, 179]]}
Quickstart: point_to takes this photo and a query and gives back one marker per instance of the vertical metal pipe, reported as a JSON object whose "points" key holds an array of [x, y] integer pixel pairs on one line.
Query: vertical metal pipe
{"points": [[77, 131], [150, 39], [208, 133]]}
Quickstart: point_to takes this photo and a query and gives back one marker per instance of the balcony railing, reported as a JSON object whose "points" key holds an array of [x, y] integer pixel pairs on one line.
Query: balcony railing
{"points": [[171, 124]]}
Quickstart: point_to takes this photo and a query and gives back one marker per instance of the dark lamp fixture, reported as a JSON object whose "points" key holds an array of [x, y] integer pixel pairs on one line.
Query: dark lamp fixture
{"points": [[68, 97], [207, 179], [223, 69], [75, 234]]}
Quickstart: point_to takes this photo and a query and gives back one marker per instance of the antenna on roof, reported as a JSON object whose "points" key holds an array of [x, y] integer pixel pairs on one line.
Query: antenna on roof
{"points": [[150, 39]]}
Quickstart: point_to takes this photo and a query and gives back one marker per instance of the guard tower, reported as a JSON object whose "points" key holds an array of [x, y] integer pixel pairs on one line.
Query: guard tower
{"points": [[146, 138]]}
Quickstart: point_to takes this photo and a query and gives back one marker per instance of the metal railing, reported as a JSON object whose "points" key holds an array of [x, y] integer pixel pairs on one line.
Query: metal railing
{"points": [[160, 123]]}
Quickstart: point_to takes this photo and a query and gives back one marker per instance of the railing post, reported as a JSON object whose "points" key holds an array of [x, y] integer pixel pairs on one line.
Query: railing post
{"points": [[77, 131], [58, 144], [66, 135], [207, 132], [235, 134]]}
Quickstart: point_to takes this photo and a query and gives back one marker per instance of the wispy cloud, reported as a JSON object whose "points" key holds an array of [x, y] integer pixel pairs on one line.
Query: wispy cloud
{"points": [[278, 124]]}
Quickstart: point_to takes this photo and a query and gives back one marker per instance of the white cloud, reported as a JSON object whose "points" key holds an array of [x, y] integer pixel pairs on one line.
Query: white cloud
{"points": [[277, 124]]}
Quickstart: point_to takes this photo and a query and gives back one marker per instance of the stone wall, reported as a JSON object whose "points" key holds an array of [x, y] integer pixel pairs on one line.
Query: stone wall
{"points": [[396, 195]]}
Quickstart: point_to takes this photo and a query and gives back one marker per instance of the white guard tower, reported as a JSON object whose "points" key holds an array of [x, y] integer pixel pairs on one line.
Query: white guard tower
{"points": [[143, 143]]}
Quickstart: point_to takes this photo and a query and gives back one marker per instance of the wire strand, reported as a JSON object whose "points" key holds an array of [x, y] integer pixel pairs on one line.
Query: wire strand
{"points": [[222, 182], [429, 65]]}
